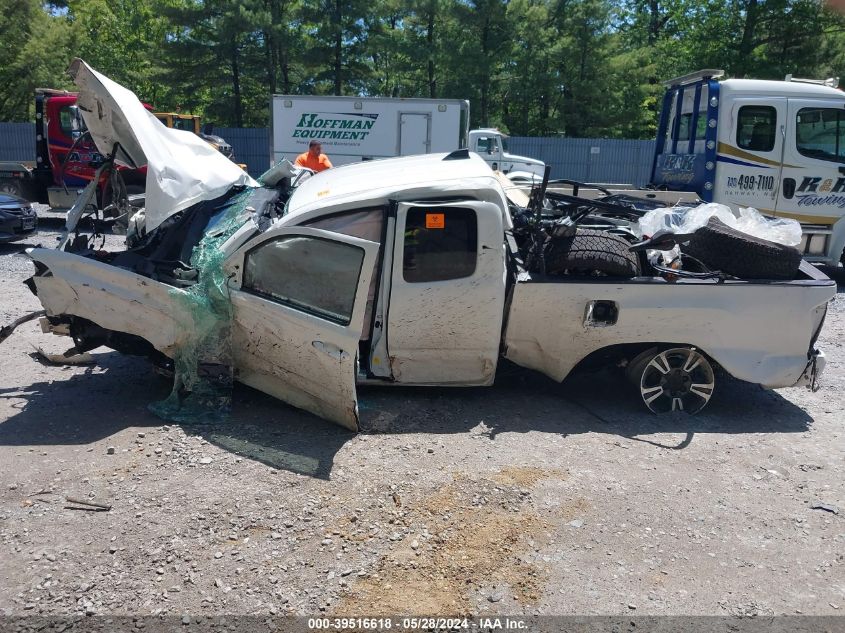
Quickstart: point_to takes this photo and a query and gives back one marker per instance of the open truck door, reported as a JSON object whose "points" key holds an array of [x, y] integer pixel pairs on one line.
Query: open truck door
{"points": [[298, 298]]}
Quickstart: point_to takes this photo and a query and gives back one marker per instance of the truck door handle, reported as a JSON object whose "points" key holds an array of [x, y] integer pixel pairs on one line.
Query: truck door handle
{"points": [[789, 188], [332, 350]]}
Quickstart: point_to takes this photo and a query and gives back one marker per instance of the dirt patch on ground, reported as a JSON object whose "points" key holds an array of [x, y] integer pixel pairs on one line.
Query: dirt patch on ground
{"points": [[470, 541], [526, 475], [574, 509]]}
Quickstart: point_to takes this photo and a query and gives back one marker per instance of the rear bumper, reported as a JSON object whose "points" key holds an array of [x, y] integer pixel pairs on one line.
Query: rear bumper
{"points": [[813, 371]]}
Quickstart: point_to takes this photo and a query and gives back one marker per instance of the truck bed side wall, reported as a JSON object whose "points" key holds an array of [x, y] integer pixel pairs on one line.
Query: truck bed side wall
{"points": [[759, 333]]}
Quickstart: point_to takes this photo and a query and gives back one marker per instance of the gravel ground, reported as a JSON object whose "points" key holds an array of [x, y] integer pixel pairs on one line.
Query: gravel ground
{"points": [[525, 498]]}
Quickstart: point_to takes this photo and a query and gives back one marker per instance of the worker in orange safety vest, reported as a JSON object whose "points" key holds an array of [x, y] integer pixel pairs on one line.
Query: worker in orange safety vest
{"points": [[314, 159]]}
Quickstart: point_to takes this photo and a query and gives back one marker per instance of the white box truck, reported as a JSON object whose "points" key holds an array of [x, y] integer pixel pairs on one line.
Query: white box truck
{"points": [[354, 129]]}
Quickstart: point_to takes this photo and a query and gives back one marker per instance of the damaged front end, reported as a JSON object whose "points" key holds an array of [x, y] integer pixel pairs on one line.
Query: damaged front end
{"points": [[164, 297]]}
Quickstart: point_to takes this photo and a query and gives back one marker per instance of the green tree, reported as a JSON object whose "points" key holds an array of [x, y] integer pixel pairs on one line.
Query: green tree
{"points": [[215, 60], [481, 44], [585, 45], [532, 84], [534, 67], [424, 29], [34, 53], [335, 46], [392, 66], [282, 35]]}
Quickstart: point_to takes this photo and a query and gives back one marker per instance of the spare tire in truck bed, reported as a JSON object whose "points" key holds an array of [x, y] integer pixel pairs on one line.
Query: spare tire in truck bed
{"points": [[725, 249], [590, 251]]}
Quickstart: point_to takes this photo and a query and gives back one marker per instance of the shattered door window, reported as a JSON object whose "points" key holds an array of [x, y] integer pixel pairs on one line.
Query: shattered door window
{"points": [[310, 274]]}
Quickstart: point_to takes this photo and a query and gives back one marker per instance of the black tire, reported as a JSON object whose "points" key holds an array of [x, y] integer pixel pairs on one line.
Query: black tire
{"points": [[590, 251], [723, 248], [673, 379], [12, 187]]}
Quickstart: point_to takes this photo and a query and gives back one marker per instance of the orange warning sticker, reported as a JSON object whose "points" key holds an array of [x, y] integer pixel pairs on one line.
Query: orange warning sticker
{"points": [[435, 220]]}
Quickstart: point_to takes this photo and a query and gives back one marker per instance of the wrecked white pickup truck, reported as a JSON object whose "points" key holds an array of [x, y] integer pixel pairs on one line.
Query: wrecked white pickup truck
{"points": [[403, 271]]}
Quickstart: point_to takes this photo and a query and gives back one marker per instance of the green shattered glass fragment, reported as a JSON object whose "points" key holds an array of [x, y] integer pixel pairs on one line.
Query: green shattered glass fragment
{"points": [[202, 385]]}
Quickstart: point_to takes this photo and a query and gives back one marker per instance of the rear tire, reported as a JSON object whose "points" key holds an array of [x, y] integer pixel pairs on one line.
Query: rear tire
{"points": [[725, 249], [674, 379], [590, 251]]}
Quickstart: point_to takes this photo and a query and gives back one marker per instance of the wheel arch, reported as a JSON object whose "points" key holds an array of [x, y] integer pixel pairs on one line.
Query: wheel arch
{"points": [[626, 352], [668, 376]]}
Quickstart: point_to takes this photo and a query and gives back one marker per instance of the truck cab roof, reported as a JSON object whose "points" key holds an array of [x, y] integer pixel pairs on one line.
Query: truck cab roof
{"points": [[488, 130], [461, 174], [773, 88]]}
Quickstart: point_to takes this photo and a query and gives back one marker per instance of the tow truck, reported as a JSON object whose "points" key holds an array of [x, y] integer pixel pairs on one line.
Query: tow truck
{"points": [[66, 159], [776, 146]]}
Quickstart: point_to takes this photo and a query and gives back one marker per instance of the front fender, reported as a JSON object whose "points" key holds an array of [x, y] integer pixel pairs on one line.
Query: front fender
{"points": [[113, 298]]}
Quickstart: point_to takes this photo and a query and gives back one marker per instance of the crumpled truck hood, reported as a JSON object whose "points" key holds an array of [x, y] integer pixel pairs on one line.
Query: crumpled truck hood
{"points": [[182, 169]]}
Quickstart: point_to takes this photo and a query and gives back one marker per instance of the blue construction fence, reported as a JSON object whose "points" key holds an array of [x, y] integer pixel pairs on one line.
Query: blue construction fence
{"points": [[17, 141], [613, 161]]}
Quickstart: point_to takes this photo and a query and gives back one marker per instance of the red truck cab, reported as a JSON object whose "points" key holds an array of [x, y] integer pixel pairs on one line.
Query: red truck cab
{"points": [[73, 166], [66, 159]]}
